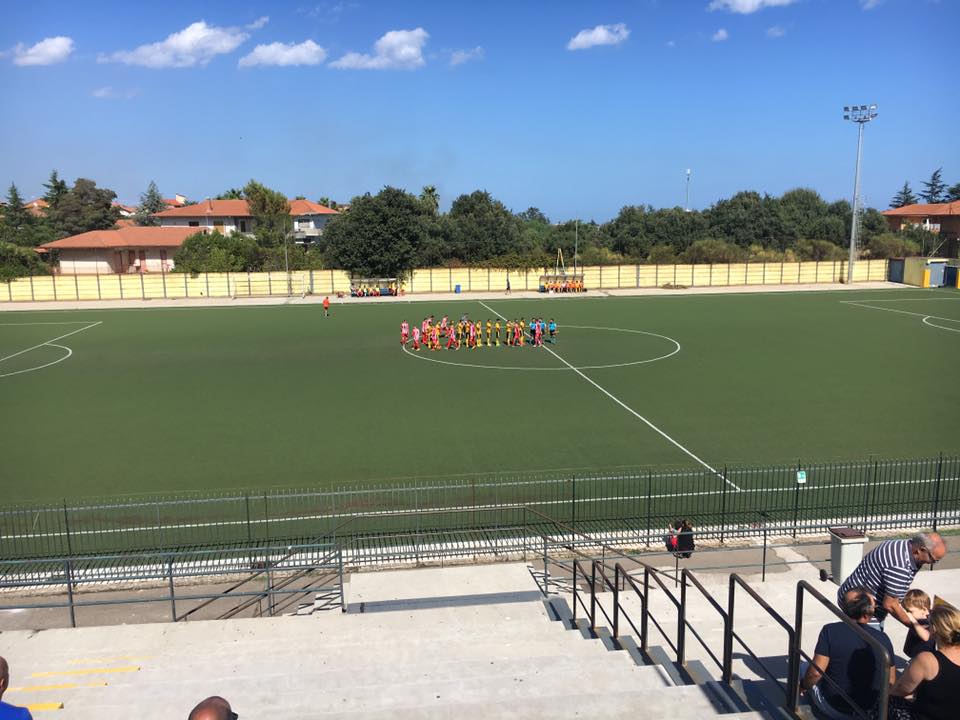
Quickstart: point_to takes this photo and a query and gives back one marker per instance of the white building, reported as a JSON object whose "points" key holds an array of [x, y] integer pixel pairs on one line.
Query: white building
{"points": [[127, 249], [230, 216]]}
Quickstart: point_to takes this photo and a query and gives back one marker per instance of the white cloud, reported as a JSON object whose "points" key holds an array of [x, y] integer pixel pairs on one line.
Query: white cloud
{"points": [[259, 23], [776, 32], [720, 35], [600, 35], [459, 57], [196, 44], [48, 51], [746, 7], [305, 53], [870, 4], [109, 93], [396, 50]]}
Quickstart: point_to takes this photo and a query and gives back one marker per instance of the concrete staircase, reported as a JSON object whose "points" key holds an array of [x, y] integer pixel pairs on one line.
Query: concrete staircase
{"points": [[474, 642]]}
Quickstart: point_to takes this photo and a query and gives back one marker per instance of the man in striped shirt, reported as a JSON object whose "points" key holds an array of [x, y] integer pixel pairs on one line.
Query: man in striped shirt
{"points": [[888, 570]]}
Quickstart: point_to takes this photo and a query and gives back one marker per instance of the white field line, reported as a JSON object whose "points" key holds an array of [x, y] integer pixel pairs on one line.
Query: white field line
{"points": [[632, 411], [902, 312], [64, 322], [941, 327], [478, 507], [41, 367], [52, 340]]}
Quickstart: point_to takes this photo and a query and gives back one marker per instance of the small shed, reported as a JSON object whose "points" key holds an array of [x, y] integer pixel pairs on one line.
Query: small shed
{"points": [[926, 272]]}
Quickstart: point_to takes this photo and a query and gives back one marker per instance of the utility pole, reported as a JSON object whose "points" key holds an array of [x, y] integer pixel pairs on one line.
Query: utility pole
{"points": [[860, 114], [686, 204]]}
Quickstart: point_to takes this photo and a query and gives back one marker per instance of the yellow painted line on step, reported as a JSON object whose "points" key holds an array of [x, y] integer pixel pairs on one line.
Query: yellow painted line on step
{"points": [[100, 661], [61, 686], [87, 671], [43, 707]]}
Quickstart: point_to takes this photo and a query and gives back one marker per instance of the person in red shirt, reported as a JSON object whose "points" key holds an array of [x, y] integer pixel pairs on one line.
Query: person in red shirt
{"points": [[404, 332], [326, 306]]}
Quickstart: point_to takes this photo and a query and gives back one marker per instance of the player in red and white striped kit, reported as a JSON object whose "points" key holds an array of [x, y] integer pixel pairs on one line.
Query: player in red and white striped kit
{"points": [[404, 333], [416, 338]]}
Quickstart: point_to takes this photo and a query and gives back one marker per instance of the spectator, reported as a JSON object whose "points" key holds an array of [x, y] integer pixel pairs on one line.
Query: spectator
{"points": [[213, 708], [888, 570], [9, 712], [933, 678], [847, 660], [919, 638]]}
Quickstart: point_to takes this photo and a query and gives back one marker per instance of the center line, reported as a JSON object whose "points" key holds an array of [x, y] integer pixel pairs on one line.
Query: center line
{"points": [[632, 412]]}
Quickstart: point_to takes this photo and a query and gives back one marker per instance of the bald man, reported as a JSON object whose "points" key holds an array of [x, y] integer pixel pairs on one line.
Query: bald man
{"points": [[888, 570], [213, 708], [9, 712]]}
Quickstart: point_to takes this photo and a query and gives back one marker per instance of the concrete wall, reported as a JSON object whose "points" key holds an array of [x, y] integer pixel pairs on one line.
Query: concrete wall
{"points": [[230, 224], [104, 262], [155, 284], [915, 272]]}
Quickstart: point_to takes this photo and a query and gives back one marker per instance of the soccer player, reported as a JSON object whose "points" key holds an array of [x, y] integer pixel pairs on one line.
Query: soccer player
{"points": [[326, 306], [416, 338], [496, 329], [538, 334], [459, 334], [518, 332], [472, 329], [452, 338], [489, 333], [479, 333], [552, 327], [436, 337], [423, 328], [404, 333]]}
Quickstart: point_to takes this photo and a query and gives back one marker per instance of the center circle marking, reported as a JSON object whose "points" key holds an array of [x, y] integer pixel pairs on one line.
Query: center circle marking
{"points": [[673, 352]]}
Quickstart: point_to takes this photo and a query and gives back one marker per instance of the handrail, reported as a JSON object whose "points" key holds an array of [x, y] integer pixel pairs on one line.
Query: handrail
{"points": [[730, 634], [875, 645], [684, 624], [576, 596], [267, 568]]}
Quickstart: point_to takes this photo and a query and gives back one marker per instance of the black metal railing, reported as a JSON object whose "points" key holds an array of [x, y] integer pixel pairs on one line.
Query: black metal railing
{"points": [[634, 503]]}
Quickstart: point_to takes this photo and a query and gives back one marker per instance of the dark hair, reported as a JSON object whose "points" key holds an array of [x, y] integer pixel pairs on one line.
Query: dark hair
{"points": [[860, 605]]}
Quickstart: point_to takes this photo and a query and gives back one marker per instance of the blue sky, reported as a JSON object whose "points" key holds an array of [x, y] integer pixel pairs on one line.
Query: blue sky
{"points": [[576, 108]]}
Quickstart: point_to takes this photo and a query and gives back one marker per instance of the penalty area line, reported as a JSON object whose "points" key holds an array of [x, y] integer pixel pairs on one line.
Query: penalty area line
{"points": [[53, 340], [633, 412]]}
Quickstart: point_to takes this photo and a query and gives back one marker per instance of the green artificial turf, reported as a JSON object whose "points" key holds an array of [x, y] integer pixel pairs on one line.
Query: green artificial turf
{"points": [[174, 399]]}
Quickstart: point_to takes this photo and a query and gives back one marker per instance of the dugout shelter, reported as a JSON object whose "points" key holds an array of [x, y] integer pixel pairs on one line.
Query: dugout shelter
{"points": [[562, 283], [374, 287]]}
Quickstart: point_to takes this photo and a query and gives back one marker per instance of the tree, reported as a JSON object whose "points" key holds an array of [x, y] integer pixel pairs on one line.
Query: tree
{"points": [[481, 227], [904, 197], [215, 252], [934, 188], [533, 215], [16, 217], [711, 250], [271, 213], [430, 199], [83, 208], [953, 193], [151, 202], [889, 245], [16, 261], [56, 189], [327, 202], [231, 194], [382, 235]]}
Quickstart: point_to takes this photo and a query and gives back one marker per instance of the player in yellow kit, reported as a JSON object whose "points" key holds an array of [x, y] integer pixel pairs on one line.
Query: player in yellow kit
{"points": [[496, 328], [489, 333]]}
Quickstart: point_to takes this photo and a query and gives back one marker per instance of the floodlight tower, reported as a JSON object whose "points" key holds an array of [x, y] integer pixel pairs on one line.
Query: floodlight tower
{"points": [[861, 115], [686, 204]]}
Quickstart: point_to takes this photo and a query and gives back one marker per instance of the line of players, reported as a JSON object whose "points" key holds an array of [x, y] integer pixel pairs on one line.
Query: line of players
{"points": [[468, 334]]}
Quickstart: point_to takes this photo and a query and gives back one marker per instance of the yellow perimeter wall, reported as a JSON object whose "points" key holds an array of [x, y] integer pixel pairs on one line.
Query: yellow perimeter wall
{"points": [[330, 282]]}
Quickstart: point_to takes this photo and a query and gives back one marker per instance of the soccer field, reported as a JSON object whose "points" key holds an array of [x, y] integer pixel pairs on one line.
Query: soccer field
{"points": [[109, 402]]}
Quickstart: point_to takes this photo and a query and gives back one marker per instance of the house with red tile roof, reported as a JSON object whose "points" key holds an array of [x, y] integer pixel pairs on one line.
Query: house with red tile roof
{"points": [[942, 219], [230, 216], [127, 249], [37, 207]]}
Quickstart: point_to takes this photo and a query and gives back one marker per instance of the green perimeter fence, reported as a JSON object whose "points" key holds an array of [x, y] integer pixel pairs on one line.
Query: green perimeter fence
{"points": [[631, 503]]}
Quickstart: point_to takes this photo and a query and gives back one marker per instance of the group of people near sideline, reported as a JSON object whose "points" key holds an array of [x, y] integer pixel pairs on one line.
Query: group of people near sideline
{"points": [[466, 333], [842, 680]]}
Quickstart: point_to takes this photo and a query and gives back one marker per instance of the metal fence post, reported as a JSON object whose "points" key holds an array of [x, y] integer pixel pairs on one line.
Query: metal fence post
{"points": [[682, 623], [866, 495], [68, 573], [723, 506], [173, 595], [546, 572], [649, 499], [796, 503], [343, 604], [936, 497], [593, 595], [66, 528], [249, 530], [573, 501]]}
